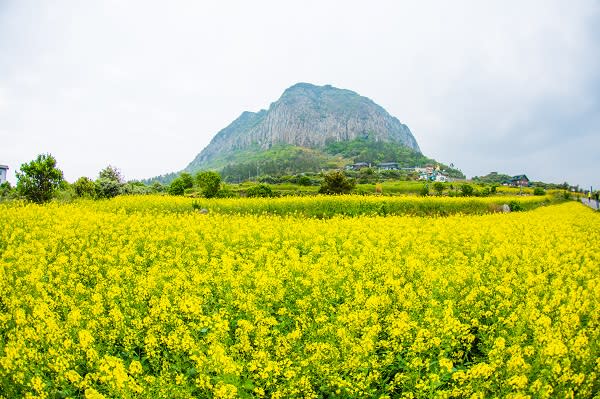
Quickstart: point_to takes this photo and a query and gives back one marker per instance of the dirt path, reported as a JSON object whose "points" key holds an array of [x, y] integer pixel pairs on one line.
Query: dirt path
{"points": [[591, 203]]}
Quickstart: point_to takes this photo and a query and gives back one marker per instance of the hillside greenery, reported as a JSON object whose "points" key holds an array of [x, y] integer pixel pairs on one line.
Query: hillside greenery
{"points": [[366, 149], [282, 159], [277, 161]]}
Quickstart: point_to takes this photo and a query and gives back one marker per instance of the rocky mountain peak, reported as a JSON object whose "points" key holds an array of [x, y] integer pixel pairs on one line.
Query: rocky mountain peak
{"points": [[308, 116]]}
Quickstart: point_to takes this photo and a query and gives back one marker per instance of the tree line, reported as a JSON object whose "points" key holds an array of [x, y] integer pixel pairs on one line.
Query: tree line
{"points": [[41, 180]]}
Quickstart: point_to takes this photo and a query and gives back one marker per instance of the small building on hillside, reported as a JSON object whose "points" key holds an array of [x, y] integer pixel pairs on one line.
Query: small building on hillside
{"points": [[3, 173], [519, 181], [441, 178], [358, 166], [434, 175], [389, 166]]}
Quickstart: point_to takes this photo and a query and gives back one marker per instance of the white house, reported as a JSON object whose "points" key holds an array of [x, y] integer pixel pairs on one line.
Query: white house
{"points": [[3, 172], [441, 178]]}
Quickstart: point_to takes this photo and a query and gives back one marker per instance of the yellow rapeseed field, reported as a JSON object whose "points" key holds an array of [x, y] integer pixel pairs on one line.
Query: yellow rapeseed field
{"points": [[101, 301]]}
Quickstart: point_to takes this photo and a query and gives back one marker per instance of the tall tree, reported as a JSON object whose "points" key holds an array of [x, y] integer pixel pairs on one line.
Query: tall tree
{"points": [[209, 182], [39, 179], [111, 173], [109, 182]]}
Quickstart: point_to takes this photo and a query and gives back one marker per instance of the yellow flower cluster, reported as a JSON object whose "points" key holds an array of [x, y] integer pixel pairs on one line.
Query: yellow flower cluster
{"points": [[115, 300], [328, 205]]}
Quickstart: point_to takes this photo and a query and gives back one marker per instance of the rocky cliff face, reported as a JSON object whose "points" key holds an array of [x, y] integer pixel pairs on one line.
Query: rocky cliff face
{"points": [[307, 116]]}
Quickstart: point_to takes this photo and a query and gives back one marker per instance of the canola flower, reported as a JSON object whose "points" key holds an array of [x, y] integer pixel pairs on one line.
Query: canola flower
{"points": [[109, 299], [324, 206]]}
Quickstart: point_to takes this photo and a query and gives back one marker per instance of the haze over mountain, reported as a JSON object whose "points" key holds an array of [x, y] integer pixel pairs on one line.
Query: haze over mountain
{"points": [[309, 117]]}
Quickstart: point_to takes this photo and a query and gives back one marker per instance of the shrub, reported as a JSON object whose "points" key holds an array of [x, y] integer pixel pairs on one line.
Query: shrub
{"points": [[424, 191], [106, 188], [226, 192], [466, 190], [157, 187], [260, 190], [109, 182], [484, 192], [336, 182], [515, 206], [177, 187], [304, 181], [6, 190], [135, 188], [84, 187], [539, 191], [438, 187]]}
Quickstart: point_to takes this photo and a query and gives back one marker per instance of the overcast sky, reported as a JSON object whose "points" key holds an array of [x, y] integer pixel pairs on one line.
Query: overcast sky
{"points": [[507, 86]]}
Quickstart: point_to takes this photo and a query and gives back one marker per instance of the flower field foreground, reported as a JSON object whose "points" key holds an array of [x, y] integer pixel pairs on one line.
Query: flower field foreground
{"points": [[325, 206], [147, 304]]}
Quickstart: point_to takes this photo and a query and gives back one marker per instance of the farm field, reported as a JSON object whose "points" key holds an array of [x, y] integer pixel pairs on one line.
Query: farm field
{"points": [[143, 297], [325, 206]]}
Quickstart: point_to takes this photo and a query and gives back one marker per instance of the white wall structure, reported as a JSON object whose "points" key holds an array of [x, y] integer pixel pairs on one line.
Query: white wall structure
{"points": [[3, 171]]}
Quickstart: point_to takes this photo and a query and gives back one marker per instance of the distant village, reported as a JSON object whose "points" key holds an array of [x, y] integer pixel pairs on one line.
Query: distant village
{"points": [[428, 173], [433, 173]]}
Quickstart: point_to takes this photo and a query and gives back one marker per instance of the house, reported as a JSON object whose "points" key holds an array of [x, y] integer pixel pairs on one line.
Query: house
{"points": [[3, 173], [519, 181], [358, 166], [429, 173], [441, 178], [389, 166]]}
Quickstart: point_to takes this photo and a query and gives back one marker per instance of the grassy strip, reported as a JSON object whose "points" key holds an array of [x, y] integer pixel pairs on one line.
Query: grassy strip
{"points": [[327, 206]]}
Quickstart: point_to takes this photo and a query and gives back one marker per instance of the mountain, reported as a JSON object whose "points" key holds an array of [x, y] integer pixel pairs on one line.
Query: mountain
{"points": [[309, 118], [308, 129]]}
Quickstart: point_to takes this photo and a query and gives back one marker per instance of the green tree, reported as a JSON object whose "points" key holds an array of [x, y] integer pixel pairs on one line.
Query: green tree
{"points": [[466, 190], [209, 183], [109, 182], [260, 190], [111, 173], [135, 188], [84, 187], [336, 182], [187, 179], [177, 187], [39, 179], [304, 181], [6, 190], [157, 187], [438, 187]]}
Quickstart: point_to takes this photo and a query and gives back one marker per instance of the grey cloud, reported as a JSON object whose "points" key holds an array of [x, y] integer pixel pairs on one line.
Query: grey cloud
{"points": [[144, 86]]}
